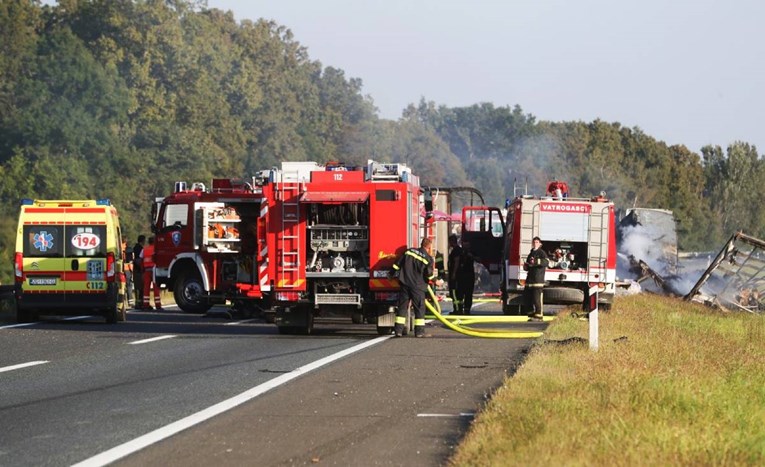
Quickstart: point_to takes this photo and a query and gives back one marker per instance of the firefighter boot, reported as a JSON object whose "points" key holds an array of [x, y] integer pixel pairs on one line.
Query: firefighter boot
{"points": [[398, 329], [419, 328]]}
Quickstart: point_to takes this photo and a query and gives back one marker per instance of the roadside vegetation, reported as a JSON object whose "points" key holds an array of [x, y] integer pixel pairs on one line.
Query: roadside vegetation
{"points": [[673, 383]]}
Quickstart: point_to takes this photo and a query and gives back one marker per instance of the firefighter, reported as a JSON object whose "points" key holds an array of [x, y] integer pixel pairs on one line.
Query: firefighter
{"points": [[536, 263], [453, 264], [127, 268], [415, 269], [149, 281], [466, 279], [138, 272]]}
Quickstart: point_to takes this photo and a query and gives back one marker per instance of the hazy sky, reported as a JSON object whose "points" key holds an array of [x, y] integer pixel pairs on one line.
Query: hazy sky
{"points": [[685, 71]]}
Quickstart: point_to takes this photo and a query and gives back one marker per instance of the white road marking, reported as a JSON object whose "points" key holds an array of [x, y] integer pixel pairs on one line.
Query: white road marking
{"points": [[153, 339], [19, 325], [447, 415], [22, 365], [118, 452], [234, 323], [16, 325]]}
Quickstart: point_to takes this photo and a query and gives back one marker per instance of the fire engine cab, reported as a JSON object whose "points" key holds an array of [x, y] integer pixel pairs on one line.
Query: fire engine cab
{"points": [[210, 245], [578, 235]]}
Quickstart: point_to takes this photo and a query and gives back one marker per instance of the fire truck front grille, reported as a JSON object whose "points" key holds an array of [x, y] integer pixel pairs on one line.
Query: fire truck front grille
{"points": [[338, 299]]}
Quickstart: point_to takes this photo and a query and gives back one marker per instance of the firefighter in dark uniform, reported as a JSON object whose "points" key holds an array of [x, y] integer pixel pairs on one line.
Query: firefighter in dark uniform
{"points": [[453, 265], [415, 269], [536, 263], [466, 279]]}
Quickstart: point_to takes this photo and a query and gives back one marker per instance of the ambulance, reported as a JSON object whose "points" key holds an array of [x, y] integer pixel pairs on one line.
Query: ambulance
{"points": [[68, 260]]}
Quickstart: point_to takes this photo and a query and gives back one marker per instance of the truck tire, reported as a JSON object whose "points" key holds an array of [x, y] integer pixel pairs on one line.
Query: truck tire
{"points": [[307, 329], [188, 293], [562, 296], [26, 316]]}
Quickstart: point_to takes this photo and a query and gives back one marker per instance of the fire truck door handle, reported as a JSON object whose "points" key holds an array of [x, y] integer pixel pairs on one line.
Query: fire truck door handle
{"points": [[75, 265]]}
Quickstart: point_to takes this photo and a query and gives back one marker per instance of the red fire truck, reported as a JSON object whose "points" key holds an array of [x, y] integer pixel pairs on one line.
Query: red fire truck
{"points": [[211, 244], [578, 234], [303, 240], [334, 233]]}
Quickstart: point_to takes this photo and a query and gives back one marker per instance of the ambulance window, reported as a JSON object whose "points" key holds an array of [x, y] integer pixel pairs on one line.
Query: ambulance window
{"points": [[43, 241], [86, 241], [176, 214]]}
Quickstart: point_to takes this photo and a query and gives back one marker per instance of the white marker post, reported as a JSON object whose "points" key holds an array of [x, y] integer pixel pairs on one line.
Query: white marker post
{"points": [[593, 318]]}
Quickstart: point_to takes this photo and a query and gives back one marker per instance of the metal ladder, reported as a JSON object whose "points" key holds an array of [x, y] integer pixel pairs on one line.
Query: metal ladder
{"points": [[597, 245], [529, 227], [289, 240]]}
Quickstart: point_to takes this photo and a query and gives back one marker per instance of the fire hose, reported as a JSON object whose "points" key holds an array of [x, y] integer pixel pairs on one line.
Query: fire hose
{"points": [[457, 326]]}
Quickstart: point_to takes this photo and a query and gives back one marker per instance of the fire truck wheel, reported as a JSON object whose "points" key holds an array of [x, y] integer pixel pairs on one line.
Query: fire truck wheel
{"points": [[305, 329], [188, 293], [384, 330], [357, 318], [308, 327], [562, 296]]}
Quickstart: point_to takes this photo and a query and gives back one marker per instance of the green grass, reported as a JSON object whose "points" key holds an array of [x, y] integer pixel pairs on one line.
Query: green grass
{"points": [[686, 387]]}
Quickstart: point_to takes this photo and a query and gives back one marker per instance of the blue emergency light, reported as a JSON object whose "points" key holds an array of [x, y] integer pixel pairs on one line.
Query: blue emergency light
{"points": [[103, 202]]}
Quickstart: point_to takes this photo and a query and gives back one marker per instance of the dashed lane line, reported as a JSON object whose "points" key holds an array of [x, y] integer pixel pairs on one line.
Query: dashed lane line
{"points": [[22, 365], [153, 339]]}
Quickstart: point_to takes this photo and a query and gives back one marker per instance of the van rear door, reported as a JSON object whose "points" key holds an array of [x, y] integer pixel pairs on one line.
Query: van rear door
{"points": [[85, 257], [44, 263]]}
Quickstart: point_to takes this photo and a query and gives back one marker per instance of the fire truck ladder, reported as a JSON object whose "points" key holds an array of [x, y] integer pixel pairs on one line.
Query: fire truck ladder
{"points": [[529, 227], [289, 240], [597, 248]]}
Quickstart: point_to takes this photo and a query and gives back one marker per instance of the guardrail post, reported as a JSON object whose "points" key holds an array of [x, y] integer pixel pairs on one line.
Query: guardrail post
{"points": [[593, 318]]}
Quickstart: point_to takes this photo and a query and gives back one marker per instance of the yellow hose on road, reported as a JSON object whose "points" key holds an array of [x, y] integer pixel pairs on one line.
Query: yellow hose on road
{"points": [[474, 319], [494, 333]]}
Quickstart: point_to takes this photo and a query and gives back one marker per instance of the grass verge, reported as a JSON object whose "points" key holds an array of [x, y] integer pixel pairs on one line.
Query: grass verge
{"points": [[673, 383]]}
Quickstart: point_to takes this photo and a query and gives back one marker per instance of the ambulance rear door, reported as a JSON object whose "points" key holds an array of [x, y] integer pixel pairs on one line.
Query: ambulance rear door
{"points": [[85, 252], [43, 259]]}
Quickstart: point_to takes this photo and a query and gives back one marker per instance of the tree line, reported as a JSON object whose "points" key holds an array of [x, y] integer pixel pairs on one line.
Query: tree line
{"points": [[119, 99]]}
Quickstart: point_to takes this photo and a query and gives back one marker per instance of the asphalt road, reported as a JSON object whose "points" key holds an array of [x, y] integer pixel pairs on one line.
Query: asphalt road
{"points": [[92, 389]]}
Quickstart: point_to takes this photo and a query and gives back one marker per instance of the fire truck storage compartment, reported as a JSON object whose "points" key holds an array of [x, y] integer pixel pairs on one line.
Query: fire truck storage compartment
{"points": [[338, 238], [227, 227], [231, 229]]}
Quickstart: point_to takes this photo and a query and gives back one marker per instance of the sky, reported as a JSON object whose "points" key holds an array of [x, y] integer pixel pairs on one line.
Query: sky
{"points": [[686, 72]]}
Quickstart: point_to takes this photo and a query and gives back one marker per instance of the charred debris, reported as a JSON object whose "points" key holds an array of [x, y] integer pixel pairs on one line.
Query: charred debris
{"points": [[733, 279]]}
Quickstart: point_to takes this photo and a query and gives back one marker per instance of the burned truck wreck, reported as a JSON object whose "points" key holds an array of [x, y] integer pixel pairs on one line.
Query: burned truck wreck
{"points": [[735, 279]]}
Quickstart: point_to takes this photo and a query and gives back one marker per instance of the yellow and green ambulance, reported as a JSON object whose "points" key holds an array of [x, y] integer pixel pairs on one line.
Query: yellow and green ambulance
{"points": [[68, 260]]}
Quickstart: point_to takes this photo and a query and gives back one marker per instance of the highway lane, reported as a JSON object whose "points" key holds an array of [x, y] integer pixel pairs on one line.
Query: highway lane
{"points": [[103, 385], [403, 402]]}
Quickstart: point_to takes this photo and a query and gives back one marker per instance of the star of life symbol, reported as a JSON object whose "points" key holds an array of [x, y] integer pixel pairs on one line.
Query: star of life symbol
{"points": [[43, 241]]}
